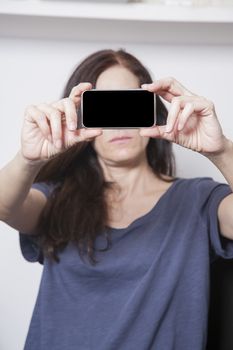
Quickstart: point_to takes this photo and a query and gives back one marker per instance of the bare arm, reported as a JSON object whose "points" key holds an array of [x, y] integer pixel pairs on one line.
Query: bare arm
{"points": [[20, 206], [224, 162], [192, 123], [48, 129]]}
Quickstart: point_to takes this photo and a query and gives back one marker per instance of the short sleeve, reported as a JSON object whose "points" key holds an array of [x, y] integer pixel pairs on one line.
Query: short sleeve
{"points": [[29, 243], [212, 193]]}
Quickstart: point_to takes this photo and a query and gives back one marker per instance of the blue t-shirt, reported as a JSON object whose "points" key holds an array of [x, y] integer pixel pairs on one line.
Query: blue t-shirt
{"points": [[149, 291]]}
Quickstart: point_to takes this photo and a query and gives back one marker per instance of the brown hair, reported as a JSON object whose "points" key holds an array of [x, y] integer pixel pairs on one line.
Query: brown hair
{"points": [[77, 210]]}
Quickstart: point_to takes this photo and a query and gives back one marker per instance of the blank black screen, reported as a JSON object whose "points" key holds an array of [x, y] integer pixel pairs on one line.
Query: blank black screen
{"points": [[118, 108]]}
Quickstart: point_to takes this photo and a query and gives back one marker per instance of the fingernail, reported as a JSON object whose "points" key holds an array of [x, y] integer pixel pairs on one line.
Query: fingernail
{"points": [[144, 85]]}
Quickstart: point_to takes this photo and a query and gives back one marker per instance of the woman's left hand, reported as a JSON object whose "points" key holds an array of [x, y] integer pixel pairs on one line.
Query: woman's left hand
{"points": [[191, 121]]}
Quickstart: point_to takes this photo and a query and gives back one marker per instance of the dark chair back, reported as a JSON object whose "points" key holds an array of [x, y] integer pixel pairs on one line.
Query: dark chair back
{"points": [[220, 330]]}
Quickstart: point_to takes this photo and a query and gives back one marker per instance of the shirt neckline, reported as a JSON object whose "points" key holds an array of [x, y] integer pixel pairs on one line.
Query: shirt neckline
{"points": [[144, 217]]}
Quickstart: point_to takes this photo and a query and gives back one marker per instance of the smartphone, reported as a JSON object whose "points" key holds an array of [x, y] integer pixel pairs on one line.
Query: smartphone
{"points": [[134, 108]]}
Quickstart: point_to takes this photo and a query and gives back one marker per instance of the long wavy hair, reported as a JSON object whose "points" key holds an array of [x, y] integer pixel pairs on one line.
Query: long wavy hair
{"points": [[77, 210]]}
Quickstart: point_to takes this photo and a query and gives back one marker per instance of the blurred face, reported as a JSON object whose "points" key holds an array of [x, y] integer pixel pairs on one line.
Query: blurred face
{"points": [[119, 146]]}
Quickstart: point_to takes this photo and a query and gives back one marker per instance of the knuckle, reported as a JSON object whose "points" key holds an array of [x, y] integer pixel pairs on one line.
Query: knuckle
{"points": [[55, 114], [66, 100], [210, 103], [76, 88], [43, 105], [189, 107], [189, 104], [75, 91], [29, 109], [41, 117], [176, 99], [171, 79], [56, 132]]}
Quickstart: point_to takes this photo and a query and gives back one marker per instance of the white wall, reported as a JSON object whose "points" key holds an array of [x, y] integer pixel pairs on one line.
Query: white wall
{"points": [[33, 71]]}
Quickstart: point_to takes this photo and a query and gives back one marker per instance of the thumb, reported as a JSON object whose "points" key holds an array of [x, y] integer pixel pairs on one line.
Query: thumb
{"points": [[157, 132]]}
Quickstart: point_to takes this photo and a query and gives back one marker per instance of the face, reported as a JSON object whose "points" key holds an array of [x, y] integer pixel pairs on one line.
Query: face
{"points": [[119, 146]]}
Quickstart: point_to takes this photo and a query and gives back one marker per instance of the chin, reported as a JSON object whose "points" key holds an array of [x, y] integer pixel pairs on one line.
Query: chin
{"points": [[124, 157]]}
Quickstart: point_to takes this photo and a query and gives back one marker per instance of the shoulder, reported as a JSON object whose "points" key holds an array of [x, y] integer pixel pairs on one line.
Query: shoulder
{"points": [[201, 188], [198, 183]]}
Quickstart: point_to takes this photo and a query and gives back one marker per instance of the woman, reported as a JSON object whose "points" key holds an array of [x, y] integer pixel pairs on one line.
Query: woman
{"points": [[125, 245]]}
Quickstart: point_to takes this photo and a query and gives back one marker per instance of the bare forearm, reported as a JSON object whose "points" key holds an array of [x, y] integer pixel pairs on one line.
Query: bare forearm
{"points": [[16, 179], [224, 162]]}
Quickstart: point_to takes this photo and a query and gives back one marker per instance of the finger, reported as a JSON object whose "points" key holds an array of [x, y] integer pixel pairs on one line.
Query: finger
{"points": [[153, 88], [156, 132], [178, 104], [81, 135], [198, 105], [33, 114], [168, 88], [173, 114], [77, 91], [67, 107], [86, 134], [150, 132], [55, 119], [202, 106], [169, 84], [184, 116]]}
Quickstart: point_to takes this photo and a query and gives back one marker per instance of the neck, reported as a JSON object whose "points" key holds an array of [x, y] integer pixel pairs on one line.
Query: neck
{"points": [[130, 179]]}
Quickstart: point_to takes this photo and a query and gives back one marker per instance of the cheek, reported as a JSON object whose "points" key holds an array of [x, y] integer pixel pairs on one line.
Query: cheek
{"points": [[144, 141], [100, 144]]}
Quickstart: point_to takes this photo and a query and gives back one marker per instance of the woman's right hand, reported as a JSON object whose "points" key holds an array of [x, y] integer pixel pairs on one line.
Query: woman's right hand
{"points": [[49, 129]]}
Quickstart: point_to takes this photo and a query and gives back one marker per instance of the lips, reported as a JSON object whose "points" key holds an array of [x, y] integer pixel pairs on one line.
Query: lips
{"points": [[120, 138]]}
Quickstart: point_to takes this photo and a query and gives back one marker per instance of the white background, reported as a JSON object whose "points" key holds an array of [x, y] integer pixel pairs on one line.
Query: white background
{"points": [[34, 71]]}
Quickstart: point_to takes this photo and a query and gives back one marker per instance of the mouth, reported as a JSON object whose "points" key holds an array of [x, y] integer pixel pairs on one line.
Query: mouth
{"points": [[120, 139]]}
